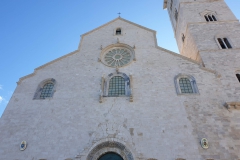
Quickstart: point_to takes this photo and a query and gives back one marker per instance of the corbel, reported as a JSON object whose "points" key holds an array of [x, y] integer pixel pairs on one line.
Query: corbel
{"points": [[118, 40], [131, 89], [232, 105], [101, 91]]}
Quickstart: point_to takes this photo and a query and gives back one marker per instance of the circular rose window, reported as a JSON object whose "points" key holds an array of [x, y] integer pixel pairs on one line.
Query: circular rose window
{"points": [[117, 57]]}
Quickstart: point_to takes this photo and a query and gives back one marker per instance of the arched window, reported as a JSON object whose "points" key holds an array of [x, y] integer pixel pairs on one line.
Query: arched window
{"points": [[118, 31], [117, 85], [185, 84], [45, 89]]}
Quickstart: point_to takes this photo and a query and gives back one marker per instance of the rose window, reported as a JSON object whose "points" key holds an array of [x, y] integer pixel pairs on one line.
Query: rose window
{"points": [[117, 57]]}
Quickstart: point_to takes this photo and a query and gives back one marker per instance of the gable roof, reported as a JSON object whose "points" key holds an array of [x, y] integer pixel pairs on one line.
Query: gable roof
{"points": [[119, 18]]}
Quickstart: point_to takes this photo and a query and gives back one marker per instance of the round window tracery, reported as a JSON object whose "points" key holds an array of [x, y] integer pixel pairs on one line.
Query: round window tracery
{"points": [[117, 57]]}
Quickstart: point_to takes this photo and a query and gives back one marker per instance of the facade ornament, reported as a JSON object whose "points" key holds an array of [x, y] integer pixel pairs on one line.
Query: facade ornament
{"points": [[204, 143], [23, 145]]}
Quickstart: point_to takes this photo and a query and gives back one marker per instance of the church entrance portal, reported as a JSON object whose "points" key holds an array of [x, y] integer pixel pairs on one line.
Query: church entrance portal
{"points": [[110, 150], [110, 156]]}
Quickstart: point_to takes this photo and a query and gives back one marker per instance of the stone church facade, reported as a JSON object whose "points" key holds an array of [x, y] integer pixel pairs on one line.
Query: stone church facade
{"points": [[121, 95]]}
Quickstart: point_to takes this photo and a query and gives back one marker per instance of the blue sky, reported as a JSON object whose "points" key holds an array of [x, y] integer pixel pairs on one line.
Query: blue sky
{"points": [[33, 33]]}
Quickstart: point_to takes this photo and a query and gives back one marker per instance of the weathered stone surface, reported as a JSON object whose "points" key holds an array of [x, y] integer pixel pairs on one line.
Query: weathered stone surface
{"points": [[158, 124]]}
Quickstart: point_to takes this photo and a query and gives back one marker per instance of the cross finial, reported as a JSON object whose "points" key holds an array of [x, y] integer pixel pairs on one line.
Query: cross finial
{"points": [[119, 14]]}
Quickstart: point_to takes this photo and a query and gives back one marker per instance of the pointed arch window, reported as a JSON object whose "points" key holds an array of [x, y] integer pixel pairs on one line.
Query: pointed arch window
{"points": [[45, 89], [185, 84]]}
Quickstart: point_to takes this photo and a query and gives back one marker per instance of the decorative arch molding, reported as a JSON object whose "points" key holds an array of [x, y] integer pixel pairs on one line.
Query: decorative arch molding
{"points": [[41, 85], [192, 81], [109, 145]]}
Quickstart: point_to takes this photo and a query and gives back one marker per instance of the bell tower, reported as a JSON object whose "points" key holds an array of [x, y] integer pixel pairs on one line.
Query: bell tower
{"points": [[202, 26], [208, 32]]}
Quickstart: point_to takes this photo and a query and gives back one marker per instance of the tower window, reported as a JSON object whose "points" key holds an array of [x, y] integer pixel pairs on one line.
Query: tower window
{"points": [[210, 17], [118, 31], [238, 77], [171, 3], [224, 43], [176, 14], [183, 37]]}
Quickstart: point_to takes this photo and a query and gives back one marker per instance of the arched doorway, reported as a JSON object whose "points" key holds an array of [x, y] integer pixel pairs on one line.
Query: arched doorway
{"points": [[110, 149], [110, 156]]}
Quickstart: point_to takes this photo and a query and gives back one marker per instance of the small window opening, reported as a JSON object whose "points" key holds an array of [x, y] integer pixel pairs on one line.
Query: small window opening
{"points": [[238, 77], [176, 14], [118, 31], [227, 43], [183, 37], [171, 4], [221, 43]]}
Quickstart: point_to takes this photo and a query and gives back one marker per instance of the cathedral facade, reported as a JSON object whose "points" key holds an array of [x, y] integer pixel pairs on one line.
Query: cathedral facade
{"points": [[120, 96]]}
